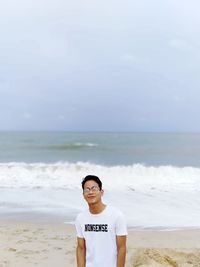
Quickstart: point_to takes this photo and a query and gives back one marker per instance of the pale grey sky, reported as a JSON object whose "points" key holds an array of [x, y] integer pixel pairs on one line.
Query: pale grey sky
{"points": [[100, 65]]}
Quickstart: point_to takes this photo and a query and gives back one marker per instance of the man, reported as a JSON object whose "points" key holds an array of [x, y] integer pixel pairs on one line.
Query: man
{"points": [[101, 230]]}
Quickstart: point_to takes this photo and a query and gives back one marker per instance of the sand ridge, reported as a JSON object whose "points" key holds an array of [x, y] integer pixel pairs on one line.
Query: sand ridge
{"points": [[166, 257]]}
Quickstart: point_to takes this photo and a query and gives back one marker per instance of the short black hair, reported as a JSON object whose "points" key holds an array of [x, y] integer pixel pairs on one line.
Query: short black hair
{"points": [[93, 178]]}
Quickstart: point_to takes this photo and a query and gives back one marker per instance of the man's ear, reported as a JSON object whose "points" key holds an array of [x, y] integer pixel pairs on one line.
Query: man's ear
{"points": [[102, 192]]}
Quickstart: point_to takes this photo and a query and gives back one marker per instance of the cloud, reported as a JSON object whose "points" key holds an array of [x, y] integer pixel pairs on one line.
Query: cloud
{"points": [[27, 116], [178, 98], [128, 57], [74, 64], [61, 117], [180, 44]]}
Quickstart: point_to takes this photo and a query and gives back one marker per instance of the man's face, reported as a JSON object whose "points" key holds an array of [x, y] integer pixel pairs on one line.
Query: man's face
{"points": [[92, 192]]}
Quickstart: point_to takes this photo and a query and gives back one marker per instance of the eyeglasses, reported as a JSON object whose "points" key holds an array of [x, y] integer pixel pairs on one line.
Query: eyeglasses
{"points": [[93, 189]]}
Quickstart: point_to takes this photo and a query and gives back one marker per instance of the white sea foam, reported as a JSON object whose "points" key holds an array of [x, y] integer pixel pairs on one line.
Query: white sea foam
{"points": [[69, 175], [164, 196]]}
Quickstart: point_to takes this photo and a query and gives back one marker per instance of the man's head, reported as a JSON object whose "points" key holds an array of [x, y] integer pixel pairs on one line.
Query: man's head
{"points": [[92, 178], [92, 189]]}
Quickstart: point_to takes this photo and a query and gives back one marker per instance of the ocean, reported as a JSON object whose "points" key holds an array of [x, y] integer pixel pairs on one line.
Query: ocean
{"points": [[154, 178]]}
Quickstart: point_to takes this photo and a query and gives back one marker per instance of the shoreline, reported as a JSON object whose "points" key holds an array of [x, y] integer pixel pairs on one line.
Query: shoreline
{"points": [[42, 244], [48, 218]]}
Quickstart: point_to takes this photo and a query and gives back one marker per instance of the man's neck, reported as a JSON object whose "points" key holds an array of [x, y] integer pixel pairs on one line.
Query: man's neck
{"points": [[97, 208]]}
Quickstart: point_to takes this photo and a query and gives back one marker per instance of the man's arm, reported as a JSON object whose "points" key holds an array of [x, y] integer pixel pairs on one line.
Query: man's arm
{"points": [[121, 250], [80, 252]]}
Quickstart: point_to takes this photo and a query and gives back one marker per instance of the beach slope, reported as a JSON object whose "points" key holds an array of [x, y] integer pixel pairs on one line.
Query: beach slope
{"points": [[25, 244]]}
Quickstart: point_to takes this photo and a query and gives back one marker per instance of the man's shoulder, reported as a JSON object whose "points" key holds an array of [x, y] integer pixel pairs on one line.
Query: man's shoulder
{"points": [[114, 211]]}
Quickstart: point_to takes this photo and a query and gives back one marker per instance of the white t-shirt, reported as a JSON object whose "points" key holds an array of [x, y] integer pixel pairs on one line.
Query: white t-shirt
{"points": [[100, 231]]}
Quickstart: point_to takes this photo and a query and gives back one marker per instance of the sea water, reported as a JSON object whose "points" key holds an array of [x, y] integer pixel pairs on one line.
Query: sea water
{"points": [[154, 178]]}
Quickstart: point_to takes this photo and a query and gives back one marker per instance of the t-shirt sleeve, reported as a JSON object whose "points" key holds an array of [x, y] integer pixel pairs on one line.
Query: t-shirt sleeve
{"points": [[121, 227], [79, 232]]}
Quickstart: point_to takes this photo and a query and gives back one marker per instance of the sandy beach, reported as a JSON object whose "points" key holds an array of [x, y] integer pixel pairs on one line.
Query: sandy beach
{"points": [[24, 244]]}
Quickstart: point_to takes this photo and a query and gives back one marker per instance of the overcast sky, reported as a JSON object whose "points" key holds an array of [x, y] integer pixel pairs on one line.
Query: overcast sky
{"points": [[108, 65]]}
